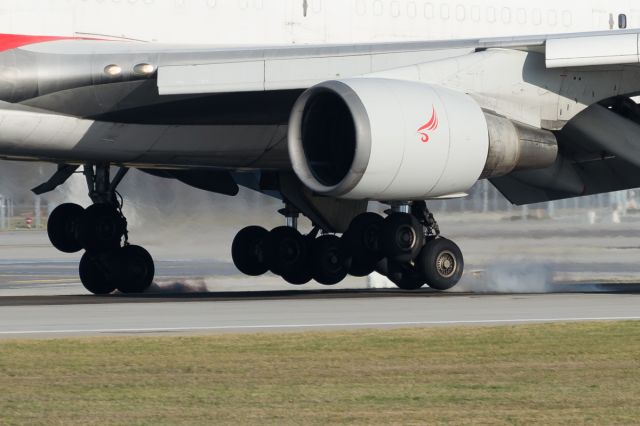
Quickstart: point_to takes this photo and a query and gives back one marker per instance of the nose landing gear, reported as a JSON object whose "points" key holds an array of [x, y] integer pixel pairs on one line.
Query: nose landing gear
{"points": [[109, 262]]}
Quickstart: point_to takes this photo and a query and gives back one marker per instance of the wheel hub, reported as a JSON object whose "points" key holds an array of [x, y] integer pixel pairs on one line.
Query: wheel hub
{"points": [[406, 237], [446, 264]]}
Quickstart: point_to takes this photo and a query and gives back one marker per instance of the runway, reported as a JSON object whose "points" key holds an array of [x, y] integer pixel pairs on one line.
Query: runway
{"points": [[279, 312], [585, 277]]}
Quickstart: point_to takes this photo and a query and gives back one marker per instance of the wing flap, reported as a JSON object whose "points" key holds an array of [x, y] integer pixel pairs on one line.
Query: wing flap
{"points": [[598, 50]]}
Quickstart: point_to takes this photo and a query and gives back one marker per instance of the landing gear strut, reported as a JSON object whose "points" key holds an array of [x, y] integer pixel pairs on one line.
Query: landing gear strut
{"points": [[109, 261], [406, 246]]}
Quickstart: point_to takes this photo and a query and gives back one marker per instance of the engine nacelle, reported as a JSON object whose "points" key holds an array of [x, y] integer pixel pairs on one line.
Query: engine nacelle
{"points": [[382, 139]]}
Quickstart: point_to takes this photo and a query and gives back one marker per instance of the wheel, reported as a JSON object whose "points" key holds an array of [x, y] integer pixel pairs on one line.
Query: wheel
{"points": [[403, 275], [134, 270], [441, 264], [100, 228], [247, 252], [327, 260], [62, 225], [286, 251], [401, 237], [299, 276], [96, 273], [361, 244]]}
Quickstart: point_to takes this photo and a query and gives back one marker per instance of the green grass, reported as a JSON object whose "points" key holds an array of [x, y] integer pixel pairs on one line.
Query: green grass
{"points": [[542, 374]]}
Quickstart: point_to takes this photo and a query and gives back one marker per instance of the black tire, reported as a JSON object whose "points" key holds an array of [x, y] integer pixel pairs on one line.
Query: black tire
{"points": [[61, 227], [247, 251], [101, 228], [286, 251], [327, 260], [300, 276], [362, 238], [403, 275], [401, 237], [96, 273], [441, 264], [134, 270]]}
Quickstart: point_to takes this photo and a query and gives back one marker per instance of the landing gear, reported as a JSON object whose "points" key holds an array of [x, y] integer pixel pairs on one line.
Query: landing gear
{"points": [[406, 246], [109, 262]]}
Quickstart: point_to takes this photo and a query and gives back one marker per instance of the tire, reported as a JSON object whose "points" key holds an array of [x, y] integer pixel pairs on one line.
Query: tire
{"points": [[327, 260], [247, 251], [61, 227], [362, 238], [286, 251], [96, 274], [100, 228], [441, 264], [134, 270], [401, 237], [299, 276], [403, 275]]}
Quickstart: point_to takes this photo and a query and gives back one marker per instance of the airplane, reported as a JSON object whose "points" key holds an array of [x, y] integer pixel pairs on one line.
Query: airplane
{"points": [[327, 105]]}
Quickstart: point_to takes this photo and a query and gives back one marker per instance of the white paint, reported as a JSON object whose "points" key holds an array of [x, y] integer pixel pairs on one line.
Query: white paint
{"points": [[311, 325], [235, 22]]}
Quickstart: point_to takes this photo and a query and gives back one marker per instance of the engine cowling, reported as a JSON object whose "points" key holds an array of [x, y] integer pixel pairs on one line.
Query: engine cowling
{"points": [[383, 139]]}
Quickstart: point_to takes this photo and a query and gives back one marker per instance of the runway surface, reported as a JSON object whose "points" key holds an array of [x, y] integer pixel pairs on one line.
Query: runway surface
{"points": [[82, 316], [585, 275]]}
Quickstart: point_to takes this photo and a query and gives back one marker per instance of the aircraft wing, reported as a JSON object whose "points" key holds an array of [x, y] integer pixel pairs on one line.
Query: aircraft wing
{"points": [[299, 67]]}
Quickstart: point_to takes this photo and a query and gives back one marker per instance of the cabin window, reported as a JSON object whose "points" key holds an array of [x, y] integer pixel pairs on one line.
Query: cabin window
{"points": [[553, 18], [395, 9], [522, 16], [491, 14], [475, 13], [622, 21], [537, 17], [412, 9], [428, 11], [461, 13], [506, 15], [377, 8], [361, 8], [445, 12]]}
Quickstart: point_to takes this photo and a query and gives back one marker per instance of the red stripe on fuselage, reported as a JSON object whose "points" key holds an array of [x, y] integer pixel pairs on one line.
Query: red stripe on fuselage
{"points": [[14, 41]]}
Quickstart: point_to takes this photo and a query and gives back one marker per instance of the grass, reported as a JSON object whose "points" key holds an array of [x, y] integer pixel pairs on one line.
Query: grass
{"points": [[542, 374]]}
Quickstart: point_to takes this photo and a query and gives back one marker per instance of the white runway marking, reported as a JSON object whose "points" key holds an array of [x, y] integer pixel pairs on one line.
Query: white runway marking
{"points": [[303, 326]]}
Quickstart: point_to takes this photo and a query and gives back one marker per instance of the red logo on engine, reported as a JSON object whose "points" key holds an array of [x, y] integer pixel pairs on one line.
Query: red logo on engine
{"points": [[430, 126]]}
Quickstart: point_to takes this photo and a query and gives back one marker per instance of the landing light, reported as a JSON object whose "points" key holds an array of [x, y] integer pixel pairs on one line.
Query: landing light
{"points": [[144, 69], [113, 70]]}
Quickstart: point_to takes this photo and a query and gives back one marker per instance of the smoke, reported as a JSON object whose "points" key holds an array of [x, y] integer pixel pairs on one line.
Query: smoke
{"points": [[192, 286], [510, 277]]}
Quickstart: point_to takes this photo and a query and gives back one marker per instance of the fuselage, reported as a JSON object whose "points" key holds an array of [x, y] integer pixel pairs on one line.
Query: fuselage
{"points": [[237, 22]]}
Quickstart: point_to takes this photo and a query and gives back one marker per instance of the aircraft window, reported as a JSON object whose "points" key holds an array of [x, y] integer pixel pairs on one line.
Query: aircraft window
{"points": [[553, 18], [316, 6], [428, 11], [537, 17], [567, 18], [444, 11], [244, 4], [395, 9], [461, 12], [491, 14], [622, 21], [211, 3], [377, 7], [180, 3], [361, 7], [475, 13], [412, 9], [522, 16], [258, 4], [506, 15]]}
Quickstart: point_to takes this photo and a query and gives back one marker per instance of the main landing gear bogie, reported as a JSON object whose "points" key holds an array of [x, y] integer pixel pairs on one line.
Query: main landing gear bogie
{"points": [[406, 246], [109, 263]]}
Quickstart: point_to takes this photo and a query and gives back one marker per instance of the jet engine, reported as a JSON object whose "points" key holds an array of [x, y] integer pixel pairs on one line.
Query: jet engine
{"points": [[383, 139]]}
